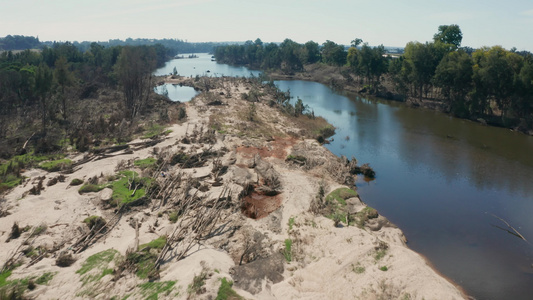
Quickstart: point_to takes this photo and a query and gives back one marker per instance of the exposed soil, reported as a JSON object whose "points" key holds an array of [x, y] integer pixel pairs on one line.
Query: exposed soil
{"points": [[276, 148], [257, 205]]}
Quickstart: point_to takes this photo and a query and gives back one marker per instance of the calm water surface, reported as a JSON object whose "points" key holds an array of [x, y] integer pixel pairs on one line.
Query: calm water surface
{"points": [[175, 92], [202, 66], [440, 179]]}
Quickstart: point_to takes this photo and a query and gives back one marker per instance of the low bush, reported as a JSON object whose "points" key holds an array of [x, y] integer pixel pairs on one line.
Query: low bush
{"points": [[55, 165], [76, 181], [90, 188], [65, 260]]}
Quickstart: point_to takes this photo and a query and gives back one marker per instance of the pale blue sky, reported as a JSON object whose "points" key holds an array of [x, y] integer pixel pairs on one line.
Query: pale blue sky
{"points": [[390, 22]]}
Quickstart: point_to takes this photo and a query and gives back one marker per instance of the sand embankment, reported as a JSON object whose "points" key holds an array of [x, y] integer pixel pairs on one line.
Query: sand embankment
{"points": [[247, 244]]}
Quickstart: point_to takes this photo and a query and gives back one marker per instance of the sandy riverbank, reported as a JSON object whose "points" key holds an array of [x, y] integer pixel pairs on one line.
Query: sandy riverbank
{"points": [[246, 244]]}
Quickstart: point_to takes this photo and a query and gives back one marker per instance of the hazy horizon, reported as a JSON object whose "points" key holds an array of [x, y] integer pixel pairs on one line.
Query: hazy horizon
{"points": [[391, 23]]}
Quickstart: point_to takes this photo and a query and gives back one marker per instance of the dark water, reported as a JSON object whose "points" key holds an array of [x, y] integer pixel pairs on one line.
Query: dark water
{"points": [[440, 179]]}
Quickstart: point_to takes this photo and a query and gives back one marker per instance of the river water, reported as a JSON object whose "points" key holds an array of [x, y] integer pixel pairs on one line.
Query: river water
{"points": [[444, 181]]}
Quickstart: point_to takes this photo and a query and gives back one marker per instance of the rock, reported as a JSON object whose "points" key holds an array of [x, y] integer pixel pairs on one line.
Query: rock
{"points": [[354, 205], [106, 194]]}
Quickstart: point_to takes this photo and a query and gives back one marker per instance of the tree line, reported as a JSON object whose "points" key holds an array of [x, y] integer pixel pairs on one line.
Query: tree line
{"points": [[173, 46], [490, 83], [47, 83]]}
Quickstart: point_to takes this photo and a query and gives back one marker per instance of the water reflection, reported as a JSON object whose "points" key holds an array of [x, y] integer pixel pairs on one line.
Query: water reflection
{"points": [[176, 92], [440, 179]]}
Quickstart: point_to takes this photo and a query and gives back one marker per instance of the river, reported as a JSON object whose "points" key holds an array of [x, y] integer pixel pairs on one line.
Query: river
{"points": [[444, 181]]}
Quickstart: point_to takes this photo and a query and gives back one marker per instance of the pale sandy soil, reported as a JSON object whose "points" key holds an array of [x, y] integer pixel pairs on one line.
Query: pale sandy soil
{"points": [[327, 262]]}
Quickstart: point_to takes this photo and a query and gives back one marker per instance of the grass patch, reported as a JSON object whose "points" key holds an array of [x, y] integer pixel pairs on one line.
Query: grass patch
{"points": [[151, 290], [129, 187], [55, 165], [336, 205], [10, 170], [145, 163], [158, 243], [154, 130], [364, 215], [143, 260], [384, 268], [341, 194], [197, 285], [90, 188], [291, 222], [45, 278], [287, 252], [99, 260], [3, 277], [225, 291], [19, 286]]}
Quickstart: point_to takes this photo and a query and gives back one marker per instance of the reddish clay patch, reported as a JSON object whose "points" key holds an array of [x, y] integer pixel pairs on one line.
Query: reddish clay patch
{"points": [[276, 148], [257, 205]]}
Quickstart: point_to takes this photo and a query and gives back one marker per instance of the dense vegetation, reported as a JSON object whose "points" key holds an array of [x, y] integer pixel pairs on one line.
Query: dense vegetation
{"points": [[490, 83], [174, 46], [61, 98]]}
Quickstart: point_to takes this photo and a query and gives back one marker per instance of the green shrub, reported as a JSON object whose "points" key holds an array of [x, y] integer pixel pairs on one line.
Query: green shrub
{"points": [[95, 222], [225, 291], [287, 252], [173, 217], [90, 188], [341, 194], [384, 268], [55, 165], [76, 181], [121, 188]]}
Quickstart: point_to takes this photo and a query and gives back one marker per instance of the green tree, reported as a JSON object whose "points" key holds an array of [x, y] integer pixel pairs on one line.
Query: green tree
{"points": [[454, 77], [420, 64], [356, 42], [495, 71], [290, 60], [372, 63], [333, 54], [313, 52], [450, 35]]}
